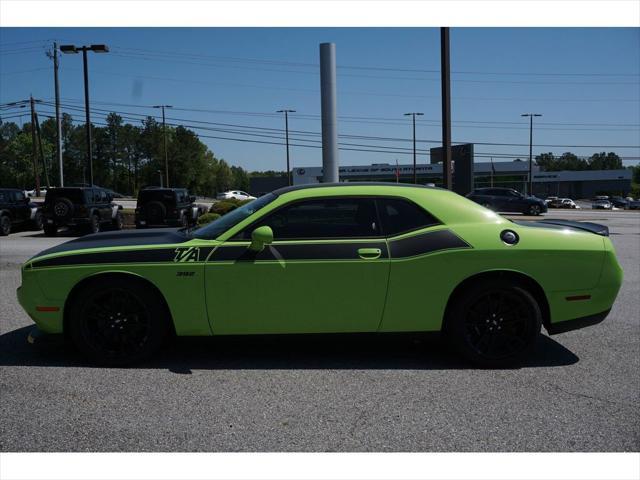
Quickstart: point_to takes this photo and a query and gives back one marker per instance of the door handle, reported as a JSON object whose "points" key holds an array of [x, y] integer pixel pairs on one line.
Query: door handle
{"points": [[369, 253]]}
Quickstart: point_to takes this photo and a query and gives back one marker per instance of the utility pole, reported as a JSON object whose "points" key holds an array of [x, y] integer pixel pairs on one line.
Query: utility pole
{"points": [[33, 145], [58, 120], [286, 130], [84, 50], [531, 115], [413, 114], [164, 141], [42, 159], [446, 107]]}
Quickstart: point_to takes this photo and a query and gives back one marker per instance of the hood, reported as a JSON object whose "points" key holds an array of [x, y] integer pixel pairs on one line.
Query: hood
{"points": [[122, 238]]}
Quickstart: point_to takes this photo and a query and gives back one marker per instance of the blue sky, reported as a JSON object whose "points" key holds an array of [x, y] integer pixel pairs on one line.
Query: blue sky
{"points": [[585, 82]]}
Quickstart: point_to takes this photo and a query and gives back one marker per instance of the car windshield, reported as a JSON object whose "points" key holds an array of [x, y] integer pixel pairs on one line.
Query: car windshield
{"points": [[224, 223]]}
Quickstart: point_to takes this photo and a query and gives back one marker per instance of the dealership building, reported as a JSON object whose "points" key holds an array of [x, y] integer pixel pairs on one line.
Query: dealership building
{"points": [[573, 184]]}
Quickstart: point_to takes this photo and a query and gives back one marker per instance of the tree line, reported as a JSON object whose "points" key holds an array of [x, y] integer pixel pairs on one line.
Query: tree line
{"points": [[569, 161], [126, 157]]}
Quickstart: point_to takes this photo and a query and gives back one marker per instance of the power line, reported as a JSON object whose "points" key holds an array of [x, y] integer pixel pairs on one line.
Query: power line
{"points": [[280, 131]]}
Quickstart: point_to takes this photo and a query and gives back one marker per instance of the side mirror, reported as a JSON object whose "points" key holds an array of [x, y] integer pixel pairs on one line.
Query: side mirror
{"points": [[260, 237]]}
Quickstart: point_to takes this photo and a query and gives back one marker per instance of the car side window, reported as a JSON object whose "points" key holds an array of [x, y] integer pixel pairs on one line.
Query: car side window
{"points": [[18, 197], [399, 216], [322, 219]]}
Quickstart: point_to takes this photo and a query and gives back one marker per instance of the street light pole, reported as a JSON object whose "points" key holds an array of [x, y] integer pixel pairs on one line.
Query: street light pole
{"points": [[58, 121], [413, 114], [164, 141], [84, 50], [286, 130], [530, 115]]}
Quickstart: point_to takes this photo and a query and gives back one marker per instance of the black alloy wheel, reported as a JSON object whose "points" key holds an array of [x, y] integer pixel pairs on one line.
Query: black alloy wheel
{"points": [[119, 323], [63, 208], [534, 210], [5, 225], [495, 324]]}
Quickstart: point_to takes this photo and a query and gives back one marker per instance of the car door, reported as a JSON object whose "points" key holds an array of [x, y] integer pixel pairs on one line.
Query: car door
{"points": [[326, 271], [21, 207]]}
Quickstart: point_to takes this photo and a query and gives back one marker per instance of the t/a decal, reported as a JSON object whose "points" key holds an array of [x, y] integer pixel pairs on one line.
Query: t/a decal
{"points": [[187, 254]]}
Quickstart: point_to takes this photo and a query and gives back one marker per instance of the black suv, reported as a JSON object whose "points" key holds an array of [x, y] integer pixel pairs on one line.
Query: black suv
{"points": [[508, 200], [166, 207], [88, 207], [17, 210]]}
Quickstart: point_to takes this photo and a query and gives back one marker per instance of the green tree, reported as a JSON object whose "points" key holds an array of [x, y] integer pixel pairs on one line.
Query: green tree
{"points": [[605, 161]]}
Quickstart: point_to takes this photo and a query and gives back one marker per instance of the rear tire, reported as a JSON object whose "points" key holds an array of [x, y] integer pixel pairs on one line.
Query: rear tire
{"points": [[5, 225], [118, 322], [494, 324]]}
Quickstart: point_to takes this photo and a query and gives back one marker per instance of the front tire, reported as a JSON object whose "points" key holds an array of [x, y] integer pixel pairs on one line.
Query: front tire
{"points": [[36, 223], [118, 222], [94, 224], [534, 210], [5, 225], [494, 323], [118, 322]]}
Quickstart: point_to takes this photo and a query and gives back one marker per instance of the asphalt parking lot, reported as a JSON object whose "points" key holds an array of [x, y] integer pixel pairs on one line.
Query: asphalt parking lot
{"points": [[580, 392]]}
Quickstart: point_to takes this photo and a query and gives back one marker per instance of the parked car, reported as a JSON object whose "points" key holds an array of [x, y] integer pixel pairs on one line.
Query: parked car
{"points": [[602, 205], [32, 193], [634, 205], [619, 202], [17, 211], [563, 203], [166, 207], [235, 194], [507, 200], [329, 258], [90, 208]]}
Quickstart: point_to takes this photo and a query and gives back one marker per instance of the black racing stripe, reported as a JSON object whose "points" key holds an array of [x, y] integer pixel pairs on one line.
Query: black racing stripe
{"points": [[426, 243], [153, 255], [315, 251]]}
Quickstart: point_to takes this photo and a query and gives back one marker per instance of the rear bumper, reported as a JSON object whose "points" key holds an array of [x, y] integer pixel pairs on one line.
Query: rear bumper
{"points": [[70, 222], [576, 323]]}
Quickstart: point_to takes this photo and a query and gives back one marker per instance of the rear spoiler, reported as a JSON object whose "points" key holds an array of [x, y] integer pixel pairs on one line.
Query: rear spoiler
{"points": [[588, 226]]}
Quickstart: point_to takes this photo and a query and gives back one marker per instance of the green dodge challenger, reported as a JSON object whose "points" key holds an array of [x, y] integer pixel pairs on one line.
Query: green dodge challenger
{"points": [[329, 258]]}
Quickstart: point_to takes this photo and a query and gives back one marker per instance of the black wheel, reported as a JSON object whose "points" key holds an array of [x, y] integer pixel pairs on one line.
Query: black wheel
{"points": [[63, 208], [36, 223], [118, 322], [50, 230], [5, 225], [118, 222], [494, 323], [94, 224], [534, 210]]}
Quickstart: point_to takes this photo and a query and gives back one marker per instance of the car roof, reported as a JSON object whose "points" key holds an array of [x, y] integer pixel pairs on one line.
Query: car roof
{"points": [[295, 188]]}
